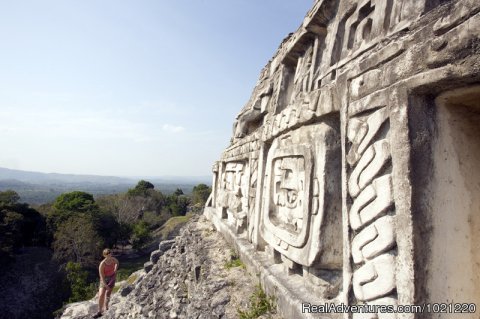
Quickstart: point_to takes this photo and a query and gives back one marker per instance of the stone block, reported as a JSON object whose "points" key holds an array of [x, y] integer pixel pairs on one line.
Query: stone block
{"points": [[125, 290], [165, 245], [155, 255], [148, 266]]}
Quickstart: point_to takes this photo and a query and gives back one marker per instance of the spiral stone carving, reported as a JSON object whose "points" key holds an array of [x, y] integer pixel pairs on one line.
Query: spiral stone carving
{"points": [[371, 214]]}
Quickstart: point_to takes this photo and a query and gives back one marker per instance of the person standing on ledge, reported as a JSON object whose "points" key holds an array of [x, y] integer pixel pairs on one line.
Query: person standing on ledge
{"points": [[107, 271]]}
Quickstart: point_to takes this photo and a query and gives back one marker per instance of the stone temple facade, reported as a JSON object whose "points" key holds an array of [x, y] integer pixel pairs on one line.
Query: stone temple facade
{"points": [[353, 174]]}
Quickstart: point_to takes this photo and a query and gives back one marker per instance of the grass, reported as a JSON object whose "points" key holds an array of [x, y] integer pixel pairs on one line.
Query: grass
{"points": [[259, 304], [207, 233], [234, 261], [130, 281], [129, 266], [171, 225]]}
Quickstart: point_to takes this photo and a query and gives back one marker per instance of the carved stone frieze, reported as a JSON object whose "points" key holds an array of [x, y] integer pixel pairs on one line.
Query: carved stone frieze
{"points": [[336, 161], [295, 209], [371, 214], [233, 194]]}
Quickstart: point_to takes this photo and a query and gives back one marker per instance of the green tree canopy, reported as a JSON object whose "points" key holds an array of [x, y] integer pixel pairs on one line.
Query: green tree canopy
{"points": [[77, 201], [77, 240], [80, 228], [130, 208], [10, 233], [200, 194], [77, 278], [9, 197], [107, 227], [141, 235], [72, 204], [20, 225], [144, 185], [177, 205], [141, 189], [178, 192]]}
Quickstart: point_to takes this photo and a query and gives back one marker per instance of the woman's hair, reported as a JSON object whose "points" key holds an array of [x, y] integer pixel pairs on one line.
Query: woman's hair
{"points": [[106, 252]]}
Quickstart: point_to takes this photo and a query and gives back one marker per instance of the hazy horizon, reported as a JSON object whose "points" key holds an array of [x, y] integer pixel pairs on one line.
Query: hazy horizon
{"points": [[132, 177], [120, 88]]}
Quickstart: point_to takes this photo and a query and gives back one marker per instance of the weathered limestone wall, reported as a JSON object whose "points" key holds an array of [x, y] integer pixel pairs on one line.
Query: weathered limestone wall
{"points": [[353, 174]]}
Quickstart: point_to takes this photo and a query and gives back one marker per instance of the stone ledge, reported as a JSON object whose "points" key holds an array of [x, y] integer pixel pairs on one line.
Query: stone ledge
{"points": [[289, 290]]}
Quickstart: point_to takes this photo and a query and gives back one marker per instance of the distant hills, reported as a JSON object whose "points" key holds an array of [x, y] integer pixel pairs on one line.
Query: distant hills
{"points": [[40, 188], [36, 177]]}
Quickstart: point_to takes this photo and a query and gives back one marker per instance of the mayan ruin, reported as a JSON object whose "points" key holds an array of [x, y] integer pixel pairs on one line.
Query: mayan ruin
{"points": [[352, 176]]}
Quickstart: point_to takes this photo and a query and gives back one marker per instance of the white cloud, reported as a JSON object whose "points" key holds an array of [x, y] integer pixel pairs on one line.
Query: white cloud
{"points": [[172, 128]]}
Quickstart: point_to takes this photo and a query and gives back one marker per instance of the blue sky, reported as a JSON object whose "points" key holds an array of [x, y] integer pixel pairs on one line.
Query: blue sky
{"points": [[130, 88]]}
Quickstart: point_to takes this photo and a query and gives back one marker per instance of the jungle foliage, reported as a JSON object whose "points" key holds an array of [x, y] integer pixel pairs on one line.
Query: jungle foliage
{"points": [[77, 226]]}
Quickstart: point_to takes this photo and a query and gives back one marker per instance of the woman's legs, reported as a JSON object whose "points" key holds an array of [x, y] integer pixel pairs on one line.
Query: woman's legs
{"points": [[101, 299], [107, 297], [109, 288]]}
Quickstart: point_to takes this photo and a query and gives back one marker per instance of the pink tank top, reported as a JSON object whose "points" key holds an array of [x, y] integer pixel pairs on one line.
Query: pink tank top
{"points": [[109, 270]]}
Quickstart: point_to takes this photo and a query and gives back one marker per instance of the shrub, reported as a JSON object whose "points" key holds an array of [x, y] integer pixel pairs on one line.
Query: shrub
{"points": [[141, 235], [79, 287], [260, 304], [234, 261]]}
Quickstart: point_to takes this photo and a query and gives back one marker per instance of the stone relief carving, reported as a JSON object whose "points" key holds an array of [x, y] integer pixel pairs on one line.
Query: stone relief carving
{"points": [[345, 64], [211, 201], [365, 21], [233, 195], [251, 115], [244, 121], [302, 78], [295, 218], [289, 189], [371, 214]]}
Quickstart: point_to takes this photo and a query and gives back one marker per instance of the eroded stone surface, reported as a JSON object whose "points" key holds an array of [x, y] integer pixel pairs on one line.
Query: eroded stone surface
{"points": [[343, 138], [189, 280]]}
